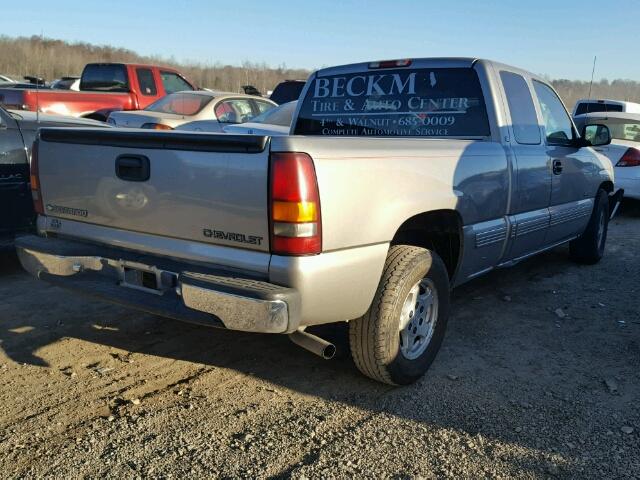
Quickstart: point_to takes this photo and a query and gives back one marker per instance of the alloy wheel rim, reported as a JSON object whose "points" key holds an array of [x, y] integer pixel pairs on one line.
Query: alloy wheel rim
{"points": [[418, 319]]}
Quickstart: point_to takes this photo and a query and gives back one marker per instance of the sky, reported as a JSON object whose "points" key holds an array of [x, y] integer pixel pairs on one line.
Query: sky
{"points": [[554, 38]]}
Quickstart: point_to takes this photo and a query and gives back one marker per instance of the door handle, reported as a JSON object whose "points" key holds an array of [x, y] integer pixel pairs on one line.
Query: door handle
{"points": [[557, 167], [133, 168]]}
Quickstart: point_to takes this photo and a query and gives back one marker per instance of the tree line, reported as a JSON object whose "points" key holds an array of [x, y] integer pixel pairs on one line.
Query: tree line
{"points": [[50, 59]]}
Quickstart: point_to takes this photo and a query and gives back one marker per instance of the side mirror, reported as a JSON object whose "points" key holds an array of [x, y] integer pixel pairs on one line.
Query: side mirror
{"points": [[596, 135]]}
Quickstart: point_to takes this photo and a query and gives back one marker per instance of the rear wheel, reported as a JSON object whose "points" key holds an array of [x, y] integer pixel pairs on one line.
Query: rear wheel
{"points": [[398, 338], [588, 248]]}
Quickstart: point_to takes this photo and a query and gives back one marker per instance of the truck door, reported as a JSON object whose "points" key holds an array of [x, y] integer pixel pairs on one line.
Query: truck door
{"points": [[14, 178], [571, 200], [147, 88], [531, 186]]}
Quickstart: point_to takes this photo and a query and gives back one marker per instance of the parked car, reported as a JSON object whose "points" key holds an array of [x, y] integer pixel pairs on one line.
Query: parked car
{"points": [[624, 150], [592, 106], [287, 91], [276, 121], [402, 179], [216, 108], [4, 79], [251, 90], [17, 133], [28, 81], [66, 83], [104, 87]]}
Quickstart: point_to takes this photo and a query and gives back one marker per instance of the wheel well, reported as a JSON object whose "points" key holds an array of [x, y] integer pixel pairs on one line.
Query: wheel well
{"points": [[607, 186], [440, 231]]}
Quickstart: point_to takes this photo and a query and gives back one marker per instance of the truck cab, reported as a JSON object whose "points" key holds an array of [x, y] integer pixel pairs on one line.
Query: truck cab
{"points": [[104, 87], [399, 180]]}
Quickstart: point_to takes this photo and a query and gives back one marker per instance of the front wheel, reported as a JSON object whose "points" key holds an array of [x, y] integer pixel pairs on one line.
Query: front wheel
{"points": [[588, 248], [398, 338]]}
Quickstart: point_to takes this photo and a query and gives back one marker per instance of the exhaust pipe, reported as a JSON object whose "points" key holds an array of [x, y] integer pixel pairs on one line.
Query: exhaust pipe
{"points": [[314, 344]]}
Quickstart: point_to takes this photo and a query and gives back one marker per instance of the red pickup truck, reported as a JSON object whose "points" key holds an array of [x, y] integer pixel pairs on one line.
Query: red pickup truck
{"points": [[104, 88]]}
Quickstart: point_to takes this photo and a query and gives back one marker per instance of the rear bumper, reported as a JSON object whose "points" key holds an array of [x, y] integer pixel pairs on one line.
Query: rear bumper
{"points": [[184, 291], [631, 186]]}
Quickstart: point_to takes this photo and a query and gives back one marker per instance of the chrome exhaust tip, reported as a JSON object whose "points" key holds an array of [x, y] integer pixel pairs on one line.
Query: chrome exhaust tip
{"points": [[314, 344]]}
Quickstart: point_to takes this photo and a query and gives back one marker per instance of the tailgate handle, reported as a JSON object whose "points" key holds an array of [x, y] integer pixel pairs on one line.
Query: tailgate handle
{"points": [[133, 168]]}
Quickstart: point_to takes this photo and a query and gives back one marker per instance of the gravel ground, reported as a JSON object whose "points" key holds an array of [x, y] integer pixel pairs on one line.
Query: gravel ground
{"points": [[539, 377]]}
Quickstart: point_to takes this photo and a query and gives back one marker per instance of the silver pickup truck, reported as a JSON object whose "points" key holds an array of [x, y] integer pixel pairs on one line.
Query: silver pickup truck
{"points": [[399, 181]]}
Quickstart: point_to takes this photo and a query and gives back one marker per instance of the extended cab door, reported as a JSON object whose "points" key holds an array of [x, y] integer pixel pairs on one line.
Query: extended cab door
{"points": [[147, 86], [570, 167], [17, 211], [529, 212]]}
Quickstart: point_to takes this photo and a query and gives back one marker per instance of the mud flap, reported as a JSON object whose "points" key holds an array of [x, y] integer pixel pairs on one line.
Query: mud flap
{"points": [[614, 203]]}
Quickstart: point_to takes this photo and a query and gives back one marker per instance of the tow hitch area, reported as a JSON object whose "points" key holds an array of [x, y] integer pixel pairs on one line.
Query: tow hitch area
{"points": [[146, 278], [614, 203]]}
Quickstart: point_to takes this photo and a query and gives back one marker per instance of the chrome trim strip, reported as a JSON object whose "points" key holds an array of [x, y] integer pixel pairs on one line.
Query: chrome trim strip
{"points": [[489, 237]]}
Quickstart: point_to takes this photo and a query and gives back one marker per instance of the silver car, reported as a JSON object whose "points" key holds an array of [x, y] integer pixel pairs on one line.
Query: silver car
{"points": [[220, 108]]}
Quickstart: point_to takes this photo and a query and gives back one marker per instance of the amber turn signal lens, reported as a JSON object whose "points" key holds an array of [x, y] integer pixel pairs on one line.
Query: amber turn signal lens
{"points": [[294, 212]]}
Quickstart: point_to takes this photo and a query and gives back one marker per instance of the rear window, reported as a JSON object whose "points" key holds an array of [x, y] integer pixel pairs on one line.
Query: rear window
{"points": [[621, 129], [589, 107], [180, 104], [104, 78], [428, 102]]}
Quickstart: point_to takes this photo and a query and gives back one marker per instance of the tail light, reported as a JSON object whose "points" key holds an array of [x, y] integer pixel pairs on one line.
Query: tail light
{"points": [[296, 225], [156, 126], [36, 193], [631, 158]]}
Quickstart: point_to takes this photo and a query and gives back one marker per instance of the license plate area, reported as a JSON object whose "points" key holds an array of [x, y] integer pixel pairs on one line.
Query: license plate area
{"points": [[146, 278]]}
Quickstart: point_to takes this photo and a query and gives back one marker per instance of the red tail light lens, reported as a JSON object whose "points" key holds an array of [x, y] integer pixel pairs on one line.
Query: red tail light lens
{"points": [[296, 225], [631, 158], [34, 178]]}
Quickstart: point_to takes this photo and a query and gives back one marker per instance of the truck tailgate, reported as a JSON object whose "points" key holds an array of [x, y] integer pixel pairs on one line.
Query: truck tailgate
{"points": [[200, 187]]}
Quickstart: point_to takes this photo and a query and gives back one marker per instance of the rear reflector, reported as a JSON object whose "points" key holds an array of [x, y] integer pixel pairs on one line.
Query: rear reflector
{"points": [[631, 158], [36, 193], [390, 64], [296, 226]]}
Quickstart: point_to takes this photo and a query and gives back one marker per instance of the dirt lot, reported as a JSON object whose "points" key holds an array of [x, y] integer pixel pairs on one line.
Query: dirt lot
{"points": [[539, 377]]}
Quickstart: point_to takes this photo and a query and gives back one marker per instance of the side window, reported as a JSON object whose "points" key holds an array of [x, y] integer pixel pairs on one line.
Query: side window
{"points": [[263, 106], [556, 119], [523, 114], [173, 82], [146, 82], [234, 111]]}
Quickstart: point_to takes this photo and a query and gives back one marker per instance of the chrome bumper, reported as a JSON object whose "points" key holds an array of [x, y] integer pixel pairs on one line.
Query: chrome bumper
{"points": [[182, 291]]}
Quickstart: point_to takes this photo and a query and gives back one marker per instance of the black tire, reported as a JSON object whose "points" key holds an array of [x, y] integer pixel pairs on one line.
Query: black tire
{"points": [[375, 337], [588, 248]]}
